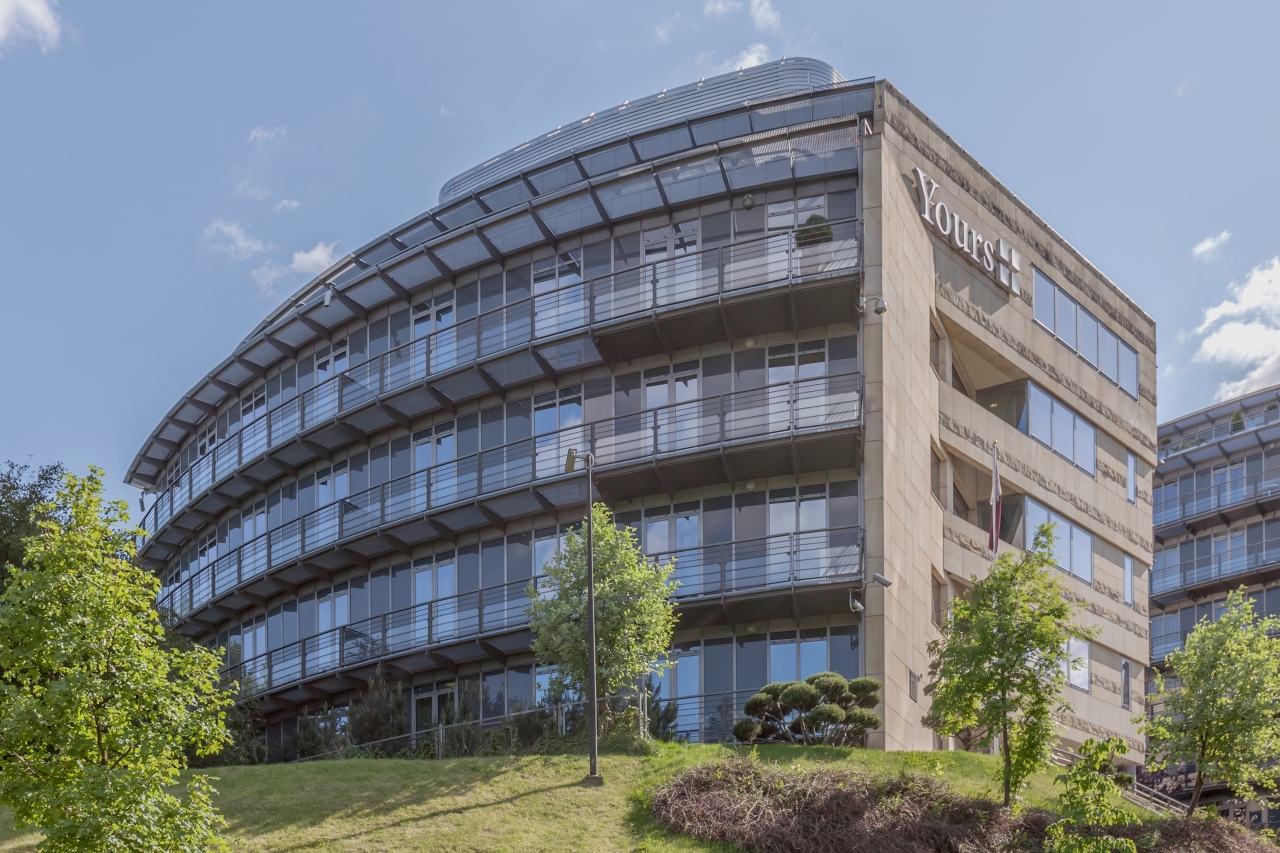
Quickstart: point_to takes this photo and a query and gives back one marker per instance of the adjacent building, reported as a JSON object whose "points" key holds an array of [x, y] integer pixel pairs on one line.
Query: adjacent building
{"points": [[1215, 495], [787, 314]]}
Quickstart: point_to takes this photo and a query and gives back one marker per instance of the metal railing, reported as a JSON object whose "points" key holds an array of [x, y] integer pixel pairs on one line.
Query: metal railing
{"points": [[1208, 435], [1216, 497], [760, 262], [1136, 792], [774, 562], [798, 407], [1223, 564]]}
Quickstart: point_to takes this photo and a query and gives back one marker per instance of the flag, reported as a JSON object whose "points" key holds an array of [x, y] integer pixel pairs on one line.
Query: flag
{"points": [[993, 535]]}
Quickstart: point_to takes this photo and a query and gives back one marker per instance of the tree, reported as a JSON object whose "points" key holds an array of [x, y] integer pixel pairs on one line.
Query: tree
{"points": [[1221, 715], [823, 709], [999, 664], [95, 711], [21, 491], [635, 616], [1087, 804]]}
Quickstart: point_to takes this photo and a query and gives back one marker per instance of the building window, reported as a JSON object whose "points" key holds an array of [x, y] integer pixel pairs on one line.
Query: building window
{"points": [[939, 601], [959, 506], [1072, 546], [1084, 334], [1128, 580], [1033, 411], [1131, 478], [935, 351], [1124, 684], [1076, 666], [913, 685], [937, 474]]}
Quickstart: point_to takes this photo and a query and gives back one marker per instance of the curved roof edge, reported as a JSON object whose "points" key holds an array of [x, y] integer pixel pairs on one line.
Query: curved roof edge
{"points": [[783, 76], [1222, 408]]}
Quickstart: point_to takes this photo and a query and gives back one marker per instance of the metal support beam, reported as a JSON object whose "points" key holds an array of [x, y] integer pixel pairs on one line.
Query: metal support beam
{"points": [[475, 196], [494, 652], [351, 305], [581, 169], [399, 244], [543, 365], [225, 387], [528, 184], [399, 417], [442, 399], [488, 244], [396, 542], [494, 519], [547, 233], [207, 408], [280, 346], [595, 199], [260, 372], [662, 192], [390, 282], [443, 662], [494, 385]]}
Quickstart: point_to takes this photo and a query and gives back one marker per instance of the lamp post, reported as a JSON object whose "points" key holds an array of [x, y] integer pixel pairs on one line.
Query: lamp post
{"points": [[570, 463]]}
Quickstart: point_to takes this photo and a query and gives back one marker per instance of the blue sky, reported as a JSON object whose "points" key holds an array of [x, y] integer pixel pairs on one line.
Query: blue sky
{"points": [[171, 170]]}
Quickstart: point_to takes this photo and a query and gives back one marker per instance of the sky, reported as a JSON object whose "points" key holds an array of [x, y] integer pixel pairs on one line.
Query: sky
{"points": [[170, 171]]}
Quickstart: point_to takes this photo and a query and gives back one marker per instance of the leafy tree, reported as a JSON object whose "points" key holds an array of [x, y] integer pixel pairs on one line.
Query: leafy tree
{"points": [[825, 709], [95, 711], [1222, 713], [635, 616], [999, 664], [1087, 803], [21, 491]]}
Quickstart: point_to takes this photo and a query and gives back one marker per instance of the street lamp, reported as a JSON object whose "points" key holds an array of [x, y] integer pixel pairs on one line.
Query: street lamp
{"points": [[570, 463]]}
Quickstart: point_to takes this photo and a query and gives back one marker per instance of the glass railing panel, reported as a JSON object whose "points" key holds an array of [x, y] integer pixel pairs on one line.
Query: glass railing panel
{"points": [[550, 450], [319, 404], [226, 573], [405, 365], [505, 328], [227, 456], [619, 295], [201, 474], [320, 528], [360, 513], [506, 466], [363, 641], [286, 543], [253, 439], [559, 311], [285, 420], [323, 653], [253, 558], [286, 665], [360, 384], [406, 496]]}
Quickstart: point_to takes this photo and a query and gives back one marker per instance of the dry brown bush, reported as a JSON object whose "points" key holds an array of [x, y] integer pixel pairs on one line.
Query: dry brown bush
{"points": [[764, 808]]}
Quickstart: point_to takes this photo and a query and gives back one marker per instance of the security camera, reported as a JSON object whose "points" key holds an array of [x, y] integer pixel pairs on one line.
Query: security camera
{"points": [[882, 580], [878, 305]]}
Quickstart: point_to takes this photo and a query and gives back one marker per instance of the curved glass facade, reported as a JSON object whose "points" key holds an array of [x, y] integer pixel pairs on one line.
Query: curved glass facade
{"points": [[376, 475]]}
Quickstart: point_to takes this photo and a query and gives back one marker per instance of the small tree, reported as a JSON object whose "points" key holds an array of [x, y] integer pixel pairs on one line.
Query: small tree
{"points": [[1086, 805], [1222, 714], [823, 709], [22, 490], [999, 664], [635, 616], [95, 710]]}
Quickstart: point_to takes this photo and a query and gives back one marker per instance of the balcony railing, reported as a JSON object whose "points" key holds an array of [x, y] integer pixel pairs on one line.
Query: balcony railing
{"points": [[802, 406], [760, 262], [1216, 497], [1224, 564], [775, 562], [1208, 435]]}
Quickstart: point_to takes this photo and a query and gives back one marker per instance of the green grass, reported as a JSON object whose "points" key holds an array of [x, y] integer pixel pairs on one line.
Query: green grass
{"points": [[502, 804]]}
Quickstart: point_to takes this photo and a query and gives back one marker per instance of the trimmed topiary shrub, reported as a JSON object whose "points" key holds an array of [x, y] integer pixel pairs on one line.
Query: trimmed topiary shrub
{"points": [[823, 709]]}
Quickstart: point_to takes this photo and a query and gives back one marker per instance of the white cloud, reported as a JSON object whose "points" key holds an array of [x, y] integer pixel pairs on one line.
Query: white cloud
{"points": [[445, 112], [315, 260], [286, 204], [268, 276], [230, 237], [756, 54], [248, 189], [1243, 331], [260, 136], [662, 32], [765, 17], [1209, 245], [716, 8], [30, 19]]}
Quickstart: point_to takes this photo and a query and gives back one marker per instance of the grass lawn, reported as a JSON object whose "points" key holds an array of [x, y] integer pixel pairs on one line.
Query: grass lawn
{"points": [[501, 804]]}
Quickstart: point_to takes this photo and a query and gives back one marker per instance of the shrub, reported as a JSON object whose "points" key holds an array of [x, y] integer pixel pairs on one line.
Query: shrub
{"points": [[825, 709]]}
